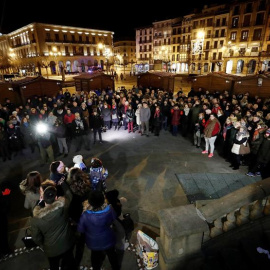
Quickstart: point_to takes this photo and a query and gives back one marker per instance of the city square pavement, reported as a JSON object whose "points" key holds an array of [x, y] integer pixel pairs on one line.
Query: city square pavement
{"points": [[145, 170]]}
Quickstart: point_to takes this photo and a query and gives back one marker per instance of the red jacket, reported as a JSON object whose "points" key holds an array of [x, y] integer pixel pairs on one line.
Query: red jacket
{"points": [[216, 127], [176, 115], [68, 119]]}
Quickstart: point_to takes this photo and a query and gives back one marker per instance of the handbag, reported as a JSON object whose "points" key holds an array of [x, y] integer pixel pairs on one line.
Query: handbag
{"points": [[235, 149], [244, 149], [27, 240]]}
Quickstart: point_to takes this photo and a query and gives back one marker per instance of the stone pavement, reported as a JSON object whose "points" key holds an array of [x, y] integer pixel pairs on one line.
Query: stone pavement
{"points": [[206, 186], [143, 169]]}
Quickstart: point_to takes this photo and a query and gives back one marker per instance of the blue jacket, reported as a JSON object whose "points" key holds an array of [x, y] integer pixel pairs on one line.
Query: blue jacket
{"points": [[97, 228]]}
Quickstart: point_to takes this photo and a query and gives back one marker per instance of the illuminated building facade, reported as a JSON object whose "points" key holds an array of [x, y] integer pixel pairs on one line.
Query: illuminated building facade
{"points": [[144, 49], [232, 37], [53, 49], [125, 55]]}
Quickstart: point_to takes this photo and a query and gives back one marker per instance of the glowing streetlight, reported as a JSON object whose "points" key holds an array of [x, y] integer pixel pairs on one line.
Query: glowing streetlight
{"points": [[100, 45], [200, 35]]}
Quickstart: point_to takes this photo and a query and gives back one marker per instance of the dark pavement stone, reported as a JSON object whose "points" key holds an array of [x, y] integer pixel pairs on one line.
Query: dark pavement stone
{"points": [[202, 186]]}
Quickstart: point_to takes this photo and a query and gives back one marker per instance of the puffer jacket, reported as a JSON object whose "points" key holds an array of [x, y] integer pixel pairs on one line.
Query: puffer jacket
{"points": [[96, 225], [50, 225]]}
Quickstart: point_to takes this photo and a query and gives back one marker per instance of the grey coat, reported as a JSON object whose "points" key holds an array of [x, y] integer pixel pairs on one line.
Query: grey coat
{"points": [[145, 114]]}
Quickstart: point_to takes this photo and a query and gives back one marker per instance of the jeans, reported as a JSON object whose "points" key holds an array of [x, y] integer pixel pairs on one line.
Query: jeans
{"points": [[130, 126], [211, 142], [62, 144], [165, 122], [174, 130]]}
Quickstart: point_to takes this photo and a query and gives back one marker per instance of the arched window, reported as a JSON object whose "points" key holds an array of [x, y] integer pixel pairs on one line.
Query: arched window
{"points": [[240, 65]]}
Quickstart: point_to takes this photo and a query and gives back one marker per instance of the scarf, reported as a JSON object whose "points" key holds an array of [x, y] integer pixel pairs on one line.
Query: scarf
{"points": [[225, 129], [186, 110], [210, 127], [26, 124], [79, 123], [256, 134], [157, 113]]}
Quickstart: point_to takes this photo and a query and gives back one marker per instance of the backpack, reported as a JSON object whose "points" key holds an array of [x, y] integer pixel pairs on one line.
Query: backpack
{"points": [[128, 225]]}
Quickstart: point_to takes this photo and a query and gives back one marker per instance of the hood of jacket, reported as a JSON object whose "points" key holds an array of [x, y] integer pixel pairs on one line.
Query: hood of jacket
{"points": [[40, 212]]}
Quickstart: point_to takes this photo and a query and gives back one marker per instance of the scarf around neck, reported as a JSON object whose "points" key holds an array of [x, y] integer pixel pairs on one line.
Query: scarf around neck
{"points": [[210, 127]]}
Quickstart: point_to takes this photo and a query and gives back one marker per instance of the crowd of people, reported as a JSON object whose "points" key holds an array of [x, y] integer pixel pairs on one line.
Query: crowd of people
{"points": [[70, 210], [228, 121], [76, 199]]}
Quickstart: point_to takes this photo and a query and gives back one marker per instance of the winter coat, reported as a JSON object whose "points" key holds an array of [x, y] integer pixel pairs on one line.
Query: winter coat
{"points": [[96, 122], [97, 228], [60, 131], [157, 120], [145, 114], [214, 128], [50, 226], [106, 114], [166, 110], [115, 116], [256, 143], [31, 197], [76, 129], [176, 114], [239, 140], [27, 134], [138, 119], [68, 119], [264, 152], [194, 113], [130, 115]]}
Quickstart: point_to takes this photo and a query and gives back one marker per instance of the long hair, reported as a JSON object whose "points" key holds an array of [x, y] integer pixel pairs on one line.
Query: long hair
{"points": [[78, 181], [33, 181], [54, 165]]}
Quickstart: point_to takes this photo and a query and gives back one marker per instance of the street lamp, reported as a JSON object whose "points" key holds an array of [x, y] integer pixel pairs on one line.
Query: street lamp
{"points": [[55, 53]]}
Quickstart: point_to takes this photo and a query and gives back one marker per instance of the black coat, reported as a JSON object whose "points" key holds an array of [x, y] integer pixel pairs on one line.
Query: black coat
{"points": [[77, 130], [96, 122]]}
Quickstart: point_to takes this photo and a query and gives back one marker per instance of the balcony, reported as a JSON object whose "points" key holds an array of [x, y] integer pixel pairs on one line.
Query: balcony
{"points": [[20, 44], [158, 36], [265, 54], [145, 41], [78, 53]]}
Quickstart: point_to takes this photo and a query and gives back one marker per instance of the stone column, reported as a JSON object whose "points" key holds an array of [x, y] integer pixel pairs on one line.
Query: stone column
{"points": [[181, 233]]}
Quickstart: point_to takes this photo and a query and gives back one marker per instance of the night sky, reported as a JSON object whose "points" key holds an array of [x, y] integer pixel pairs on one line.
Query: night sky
{"points": [[92, 14]]}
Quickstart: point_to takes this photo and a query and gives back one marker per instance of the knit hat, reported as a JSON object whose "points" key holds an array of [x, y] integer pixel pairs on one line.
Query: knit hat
{"points": [[267, 131], [49, 194]]}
